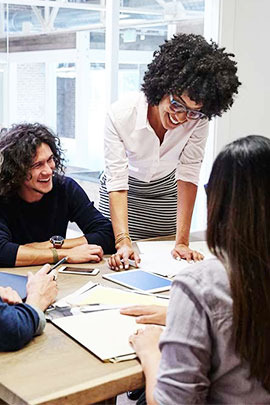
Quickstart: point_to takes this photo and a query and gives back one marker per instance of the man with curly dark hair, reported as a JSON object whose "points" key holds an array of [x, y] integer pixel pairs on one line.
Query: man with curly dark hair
{"points": [[155, 141], [37, 201]]}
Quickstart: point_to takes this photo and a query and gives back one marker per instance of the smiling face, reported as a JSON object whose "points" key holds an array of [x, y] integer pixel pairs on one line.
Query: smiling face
{"points": [[168, 117], [39, 179]]}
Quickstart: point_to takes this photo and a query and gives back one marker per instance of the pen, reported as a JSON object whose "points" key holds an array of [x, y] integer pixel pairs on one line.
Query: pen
{"points": [[58, 264]]}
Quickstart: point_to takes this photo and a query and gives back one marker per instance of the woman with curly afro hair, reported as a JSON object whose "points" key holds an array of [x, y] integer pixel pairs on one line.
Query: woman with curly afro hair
{"points": [[155, 141]]}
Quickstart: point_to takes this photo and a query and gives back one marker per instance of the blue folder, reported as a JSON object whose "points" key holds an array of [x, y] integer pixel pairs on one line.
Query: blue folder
{"points": [[14, 281]]}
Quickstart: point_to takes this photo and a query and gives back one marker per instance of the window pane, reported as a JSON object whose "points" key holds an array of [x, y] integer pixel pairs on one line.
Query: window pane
{"points": [[30, 92], [145, 25], [66, 82]]}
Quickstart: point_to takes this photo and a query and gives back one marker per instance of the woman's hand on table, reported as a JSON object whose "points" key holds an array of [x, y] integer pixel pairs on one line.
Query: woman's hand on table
{"points": [[154, 314], [120, 260], [182, 251]]}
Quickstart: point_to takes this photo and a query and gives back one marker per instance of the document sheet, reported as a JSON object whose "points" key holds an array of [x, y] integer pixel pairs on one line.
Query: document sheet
{"points": [[115, 296], [156, 257]]}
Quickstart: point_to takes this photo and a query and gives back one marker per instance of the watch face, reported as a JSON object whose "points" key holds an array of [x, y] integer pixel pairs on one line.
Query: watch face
{"points": [[57, 240]]}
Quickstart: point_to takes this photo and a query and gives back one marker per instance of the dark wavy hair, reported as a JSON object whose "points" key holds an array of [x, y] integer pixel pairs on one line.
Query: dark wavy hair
{"points": [[189, 64], [238, 200], [18, 148]]}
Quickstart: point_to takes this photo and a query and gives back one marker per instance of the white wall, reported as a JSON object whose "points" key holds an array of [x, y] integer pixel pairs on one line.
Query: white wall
{"points": [[245, 30]]}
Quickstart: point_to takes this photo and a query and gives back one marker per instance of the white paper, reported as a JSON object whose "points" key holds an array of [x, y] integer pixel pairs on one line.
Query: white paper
{"points": [[156, 257], [69, 299], [104, 333]]}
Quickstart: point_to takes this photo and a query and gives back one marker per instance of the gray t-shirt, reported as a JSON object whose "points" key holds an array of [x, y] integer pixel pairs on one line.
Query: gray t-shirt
{"points": [[198, 363]]}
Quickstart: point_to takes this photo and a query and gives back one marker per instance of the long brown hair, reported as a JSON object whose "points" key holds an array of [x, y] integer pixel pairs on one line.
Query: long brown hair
{"points": [[238, 233]]}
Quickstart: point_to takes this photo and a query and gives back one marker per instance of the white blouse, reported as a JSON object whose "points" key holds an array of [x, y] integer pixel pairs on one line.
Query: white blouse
{"points": [[132, 147]]}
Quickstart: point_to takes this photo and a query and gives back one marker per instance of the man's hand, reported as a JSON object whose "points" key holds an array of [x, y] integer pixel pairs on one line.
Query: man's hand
{"points": [[85, 253], [10, 296], [119, 261], [182, 251], [41, 288], [154, 314]]}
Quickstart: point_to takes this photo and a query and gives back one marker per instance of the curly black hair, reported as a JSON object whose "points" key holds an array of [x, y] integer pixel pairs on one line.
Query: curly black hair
{"points": [[18, 148], [189, 64]]}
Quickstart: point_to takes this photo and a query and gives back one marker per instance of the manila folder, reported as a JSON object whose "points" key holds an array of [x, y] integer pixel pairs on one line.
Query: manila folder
{"points": [[104, 333]]}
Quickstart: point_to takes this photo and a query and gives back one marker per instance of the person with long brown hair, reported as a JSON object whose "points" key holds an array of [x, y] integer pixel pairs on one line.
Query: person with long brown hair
{"points": [[215, 348]]}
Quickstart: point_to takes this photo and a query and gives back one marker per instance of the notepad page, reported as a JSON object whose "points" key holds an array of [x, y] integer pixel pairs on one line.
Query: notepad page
{"points": [[156, 257]]}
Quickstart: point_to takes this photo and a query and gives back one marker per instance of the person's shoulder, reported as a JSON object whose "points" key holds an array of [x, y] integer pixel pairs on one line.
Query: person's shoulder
{"points": [[64, 187], [127, 105], [203, 271], [209, 281], [8, 203], [64, 182]]}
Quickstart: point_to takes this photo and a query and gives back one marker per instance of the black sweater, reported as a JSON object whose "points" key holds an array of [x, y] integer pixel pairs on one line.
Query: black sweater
{"points": [[22, 222]]}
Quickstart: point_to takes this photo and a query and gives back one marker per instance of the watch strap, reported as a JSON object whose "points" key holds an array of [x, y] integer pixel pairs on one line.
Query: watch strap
{"points": [[55, 255]]}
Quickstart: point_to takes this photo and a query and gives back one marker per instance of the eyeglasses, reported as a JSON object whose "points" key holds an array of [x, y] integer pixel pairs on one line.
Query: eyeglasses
{"points": [[178, 107]]}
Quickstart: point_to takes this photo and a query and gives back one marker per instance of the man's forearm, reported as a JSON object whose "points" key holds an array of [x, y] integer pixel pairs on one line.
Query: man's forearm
{"points": [[68, 243], [186, 195], [29, 256]]}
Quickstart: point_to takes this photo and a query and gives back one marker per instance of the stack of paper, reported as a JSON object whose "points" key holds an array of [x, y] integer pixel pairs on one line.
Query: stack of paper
{"points": [[156, 257]]}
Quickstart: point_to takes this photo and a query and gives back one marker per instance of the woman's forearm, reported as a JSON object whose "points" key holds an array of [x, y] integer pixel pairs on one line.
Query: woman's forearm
{"points": [[119, 212], [186, 195], [150, 368]]}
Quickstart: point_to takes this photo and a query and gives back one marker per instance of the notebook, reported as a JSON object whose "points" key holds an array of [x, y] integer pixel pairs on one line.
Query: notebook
{"points": [[15, 281]]}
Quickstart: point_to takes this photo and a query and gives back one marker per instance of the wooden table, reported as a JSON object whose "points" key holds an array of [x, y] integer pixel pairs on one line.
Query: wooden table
{"points": [[54, 369]]}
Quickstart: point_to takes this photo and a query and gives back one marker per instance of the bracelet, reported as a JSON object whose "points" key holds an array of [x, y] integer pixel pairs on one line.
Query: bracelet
{"points": [[122, 236], [55, 255]]}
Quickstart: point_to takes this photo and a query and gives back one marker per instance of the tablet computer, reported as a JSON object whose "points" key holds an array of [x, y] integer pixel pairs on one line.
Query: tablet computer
{"points": [[15, 281], [140, 280]]}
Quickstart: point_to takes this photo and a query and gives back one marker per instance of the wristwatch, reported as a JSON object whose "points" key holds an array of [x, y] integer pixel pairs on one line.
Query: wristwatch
{"points": [[57, 241]]}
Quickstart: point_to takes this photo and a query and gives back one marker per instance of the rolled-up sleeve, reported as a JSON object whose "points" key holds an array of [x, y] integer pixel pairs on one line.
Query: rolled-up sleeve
{"points": [[189, 165], [116, 161], [186, 350]]}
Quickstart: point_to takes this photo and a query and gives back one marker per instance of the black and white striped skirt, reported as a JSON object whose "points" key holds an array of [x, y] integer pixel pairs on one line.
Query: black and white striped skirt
{"points": [[152, 206]]}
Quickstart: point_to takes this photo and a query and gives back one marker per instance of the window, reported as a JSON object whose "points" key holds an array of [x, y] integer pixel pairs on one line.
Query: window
{"points": [[52, 62]]}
